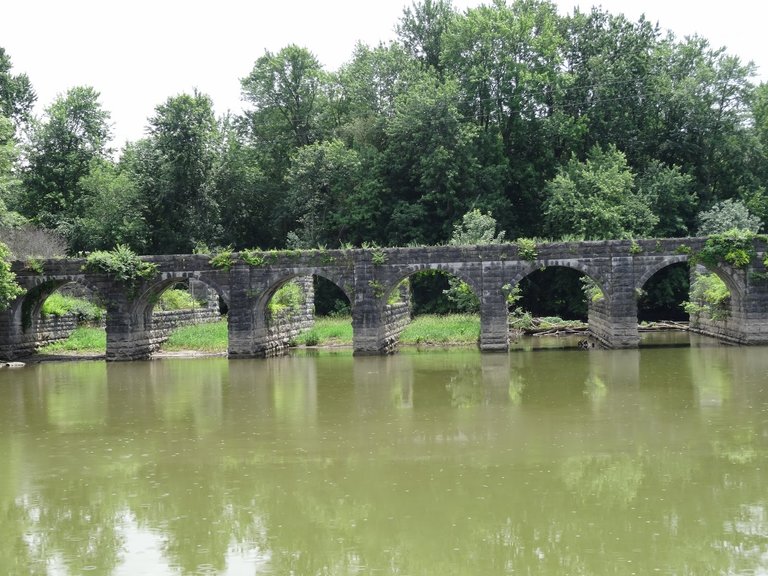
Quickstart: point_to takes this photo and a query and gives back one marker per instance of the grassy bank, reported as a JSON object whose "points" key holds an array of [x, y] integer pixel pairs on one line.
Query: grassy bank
{"points": [[84, 339], [455, 329]]}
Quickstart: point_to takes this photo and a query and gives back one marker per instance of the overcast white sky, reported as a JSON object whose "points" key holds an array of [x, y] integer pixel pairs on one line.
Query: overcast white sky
{"points": [[139, 53]]}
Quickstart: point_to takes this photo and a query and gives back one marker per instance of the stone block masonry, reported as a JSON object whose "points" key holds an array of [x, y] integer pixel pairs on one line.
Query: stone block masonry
{"points": [[367, 276]]}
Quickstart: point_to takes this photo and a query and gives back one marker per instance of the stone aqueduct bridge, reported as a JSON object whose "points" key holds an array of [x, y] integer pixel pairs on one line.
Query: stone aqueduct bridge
{"points": [[366, 276]]}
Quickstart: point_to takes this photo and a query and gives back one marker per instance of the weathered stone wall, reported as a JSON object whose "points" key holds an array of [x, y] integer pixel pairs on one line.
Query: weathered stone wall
{"points": [[366, 276], [286, 326], [396, 316]]}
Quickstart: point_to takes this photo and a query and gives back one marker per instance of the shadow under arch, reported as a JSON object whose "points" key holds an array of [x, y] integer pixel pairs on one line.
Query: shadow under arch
{"points": [[735, 286], [446, 270], [559, 289], [662, 291]]}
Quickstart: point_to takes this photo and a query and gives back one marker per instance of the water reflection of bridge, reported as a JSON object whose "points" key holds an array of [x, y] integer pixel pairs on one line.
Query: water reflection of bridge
{"points": [[620, 268]]}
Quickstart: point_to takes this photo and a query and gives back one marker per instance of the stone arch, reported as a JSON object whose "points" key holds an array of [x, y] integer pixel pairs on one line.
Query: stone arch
{"points": [[42, 288], [392, 281], [657, 266], [143, 306], [661, 288], [275, 283], [589, 271]]}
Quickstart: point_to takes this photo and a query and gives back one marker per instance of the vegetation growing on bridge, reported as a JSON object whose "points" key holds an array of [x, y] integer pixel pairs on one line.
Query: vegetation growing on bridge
{"points": [[9, 288], [122, 264]]}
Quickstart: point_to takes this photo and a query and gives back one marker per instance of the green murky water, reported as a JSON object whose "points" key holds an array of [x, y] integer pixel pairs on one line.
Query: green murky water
{"points": [[561, 462]]}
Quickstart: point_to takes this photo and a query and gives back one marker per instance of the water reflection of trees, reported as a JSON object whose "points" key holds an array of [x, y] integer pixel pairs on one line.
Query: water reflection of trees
{"points": [[305, 467]]}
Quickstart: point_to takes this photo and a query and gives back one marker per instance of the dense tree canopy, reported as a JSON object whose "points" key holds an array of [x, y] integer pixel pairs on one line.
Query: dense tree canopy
{"points": [[582, 125]]}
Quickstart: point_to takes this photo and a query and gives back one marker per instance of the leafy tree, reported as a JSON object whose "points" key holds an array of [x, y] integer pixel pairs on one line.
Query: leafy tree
{"points": [[597, 199], [175, 168], [9, 288], [727, 215], [323, 185], [671, 196], [370, 84], [614, 72], [17, 98], [112, 210], [422, 27], [285, 90], [8, 180], [428, 163], [75, 131], [253, 205], [705, 113], [476, 228], [506, 61]]}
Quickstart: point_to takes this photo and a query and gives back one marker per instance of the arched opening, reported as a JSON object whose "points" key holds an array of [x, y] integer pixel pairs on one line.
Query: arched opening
{"points": [[712, 303], [663, 296], [554, 300], [308, 311], [555, 291], [433, 306], [185, 315], [332, 324], [64, 317]]}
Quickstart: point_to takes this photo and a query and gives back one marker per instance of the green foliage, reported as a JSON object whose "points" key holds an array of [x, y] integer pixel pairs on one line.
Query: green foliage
{"points": [[476, 228], [506, 107], [84, 340], [377, 287], [451, 329], [734, 247], [396, 295], [74, 132], [111, 209], [121, 263], [378, 257], [635, 249], [176, 299], [223, 259], [253, 257], [35, 265], [709, 296], [328, 331], [60, 305], [598, 198], [175, 169], [462, 297], [17, 98], [209, 337], [526, 249], [9, 288], [288, 298], [728, 215], [325, 194], [591, 289]]}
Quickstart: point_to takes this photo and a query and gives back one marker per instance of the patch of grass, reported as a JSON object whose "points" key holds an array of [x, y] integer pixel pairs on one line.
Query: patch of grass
{"points": [[176, 299], [448, 329], [328, 331], [60, 305], [84, 339], [208, 337]]}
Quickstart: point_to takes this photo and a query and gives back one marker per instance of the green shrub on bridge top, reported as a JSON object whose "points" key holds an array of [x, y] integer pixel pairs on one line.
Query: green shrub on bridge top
{"points": [[734, 247], [122, 263]]}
